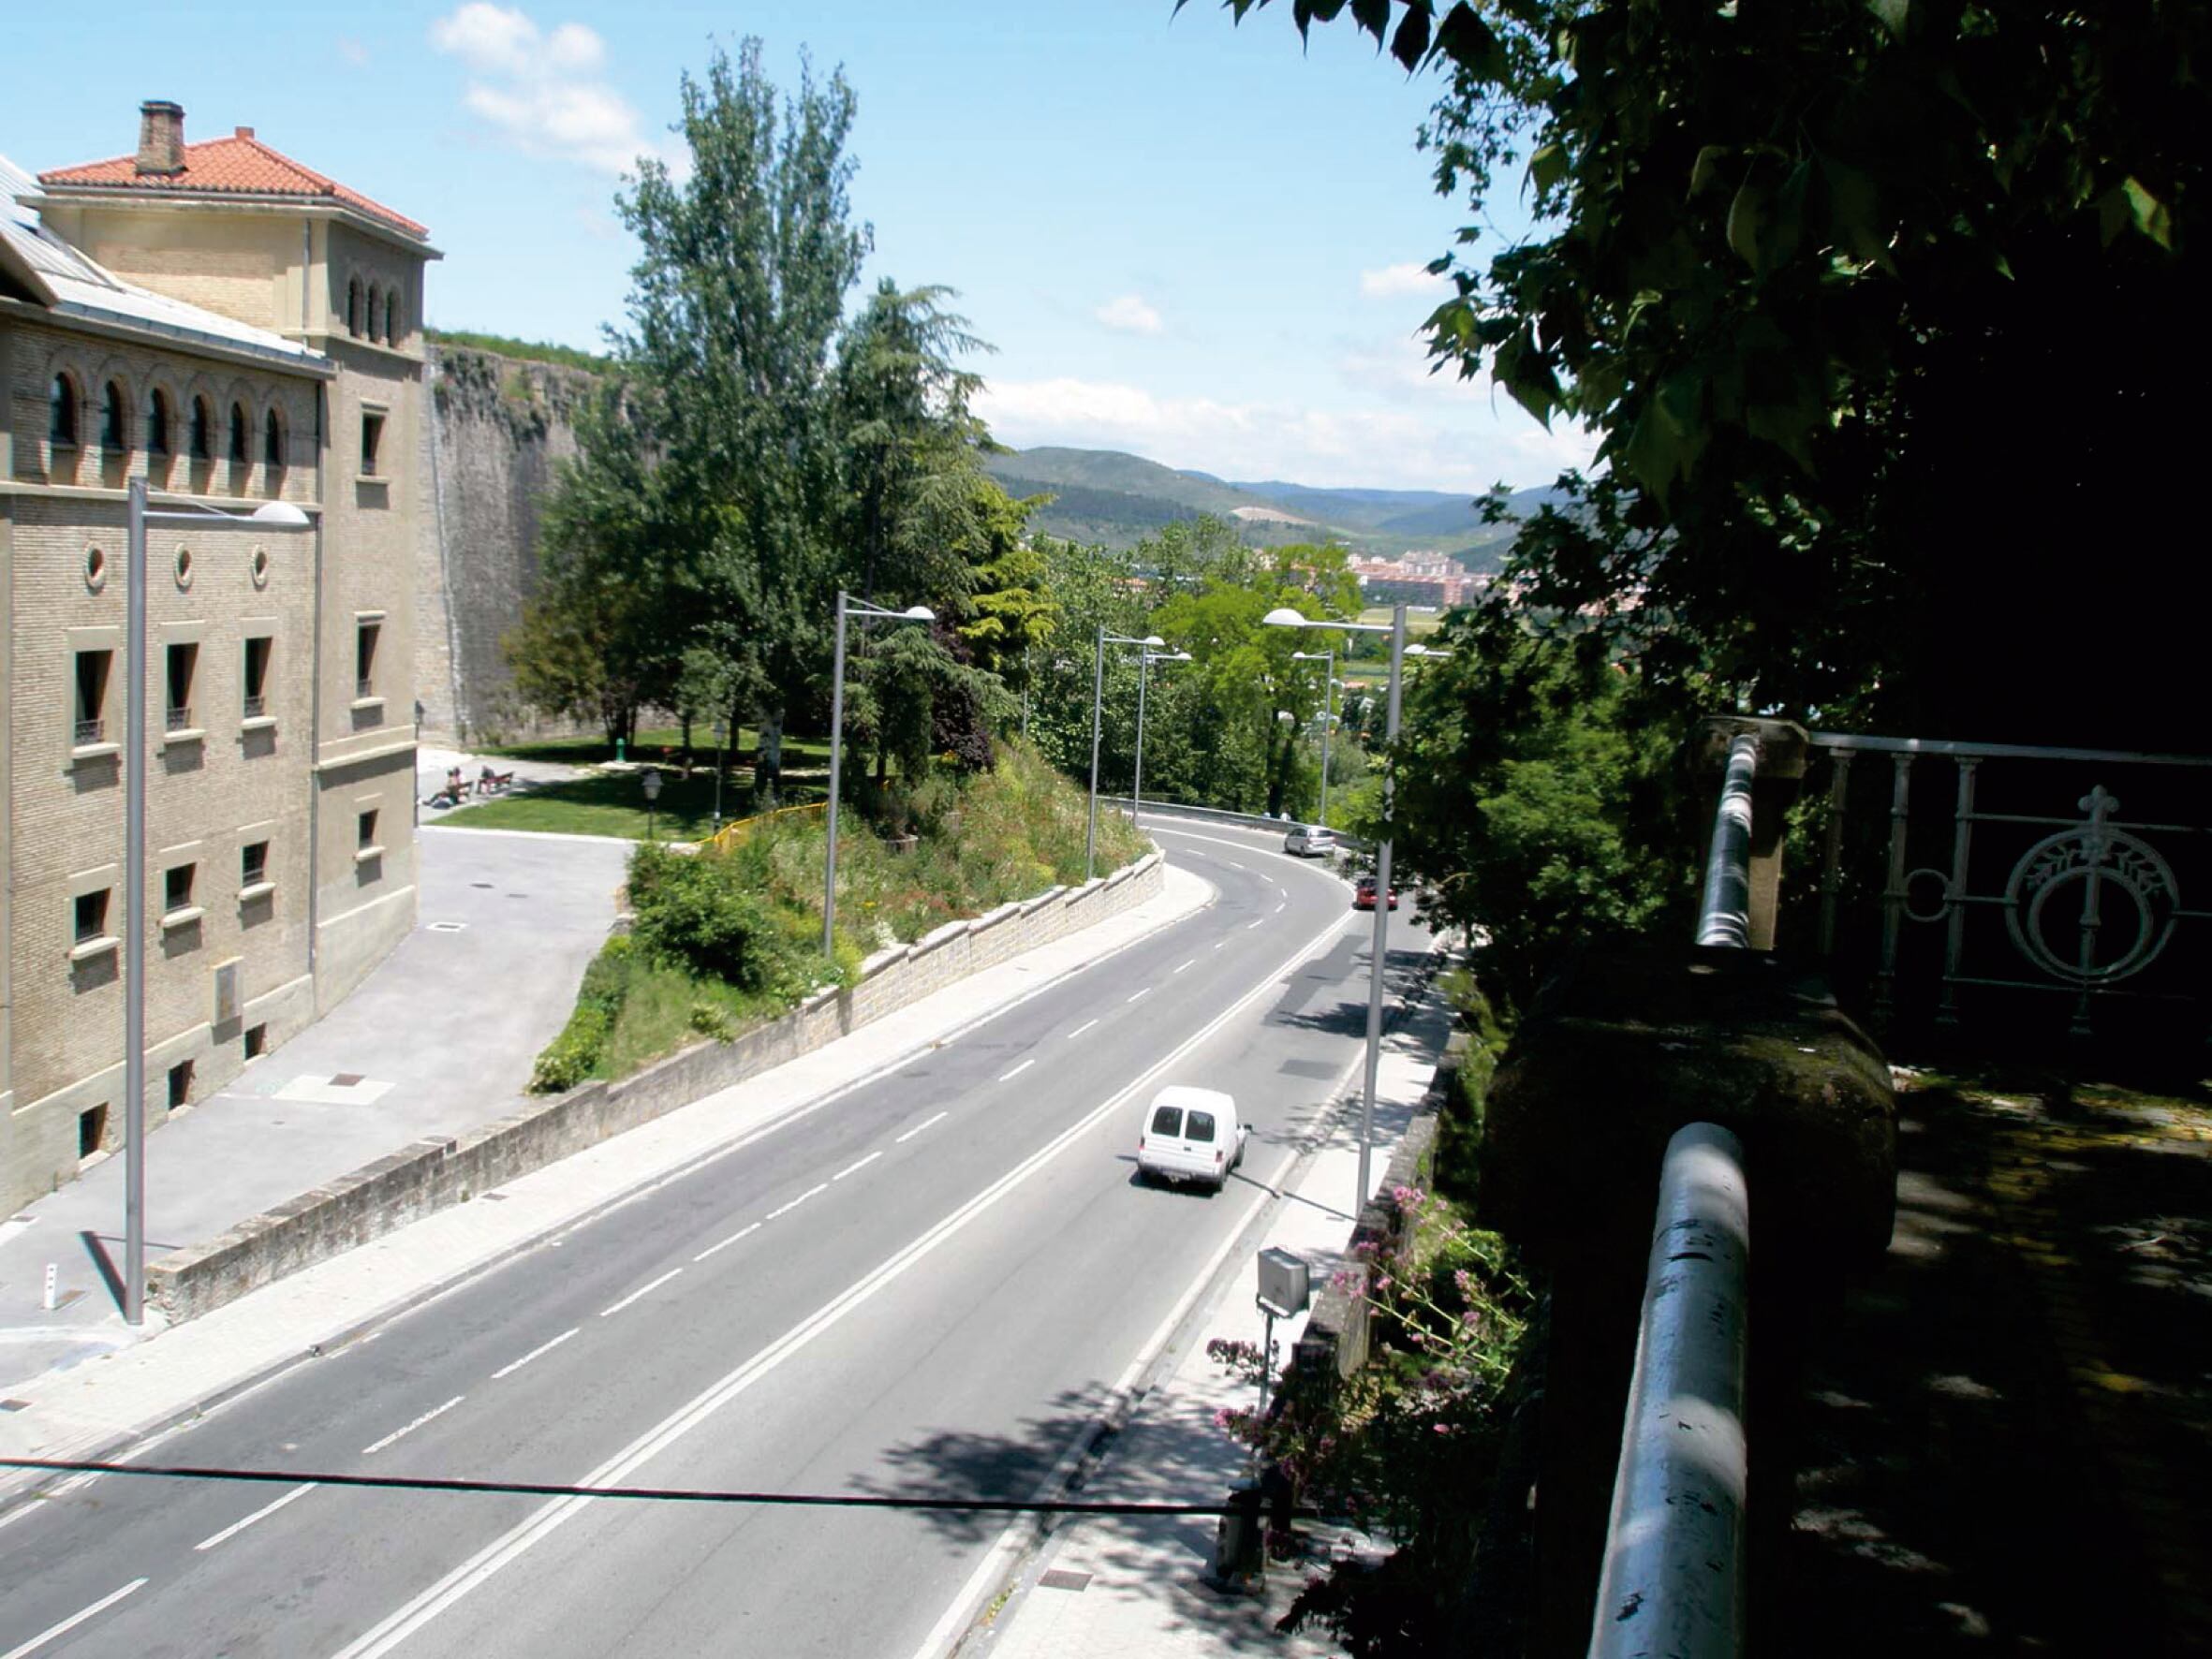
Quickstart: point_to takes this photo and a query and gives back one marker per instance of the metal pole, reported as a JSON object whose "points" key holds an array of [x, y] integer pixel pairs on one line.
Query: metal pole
{"points": [[1382, 850], [134, 918], [1724, 913], [1090, 838], [718, 741], [1328, 715], [1266, 1367], [836, 752], [1137, 785]]}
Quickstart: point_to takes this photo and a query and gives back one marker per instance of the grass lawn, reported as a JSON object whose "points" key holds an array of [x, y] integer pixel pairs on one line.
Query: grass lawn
{"points": [[614, 804], [660, 743]]}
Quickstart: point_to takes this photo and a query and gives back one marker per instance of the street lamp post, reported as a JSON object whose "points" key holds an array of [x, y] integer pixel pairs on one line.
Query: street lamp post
{"points": [[650, 782], [1090, 835], [274, 515], [1143, 664], [1328, 713], [721, 735], [847, 605], [1399, 651]]}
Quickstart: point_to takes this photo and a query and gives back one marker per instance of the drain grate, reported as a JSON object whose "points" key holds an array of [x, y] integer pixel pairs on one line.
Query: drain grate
{"points": [[1060, 1579], [346, 1079], [15, 1405]]}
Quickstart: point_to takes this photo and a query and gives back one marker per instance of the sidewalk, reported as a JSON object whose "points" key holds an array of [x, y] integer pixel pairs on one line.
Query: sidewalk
{"points": [[83, 1410], [1112, 1587]]}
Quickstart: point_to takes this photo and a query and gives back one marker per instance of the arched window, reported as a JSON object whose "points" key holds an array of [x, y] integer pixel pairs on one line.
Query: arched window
{"points": [[272, 443], [199, 438], [391, 318], [376, 312], [241, 455], [156, 423], [114, 419], [353, 308], [61, 420]]}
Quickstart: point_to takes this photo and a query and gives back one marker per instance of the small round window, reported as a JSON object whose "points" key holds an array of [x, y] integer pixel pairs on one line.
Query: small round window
{"points": [[95, 569], [260, 566], [184, 567]]}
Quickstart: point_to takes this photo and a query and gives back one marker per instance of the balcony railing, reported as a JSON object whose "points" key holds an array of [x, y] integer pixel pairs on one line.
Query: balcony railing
{"points": [[90, 731], [178, 718], [364, 687], [253, 708]]}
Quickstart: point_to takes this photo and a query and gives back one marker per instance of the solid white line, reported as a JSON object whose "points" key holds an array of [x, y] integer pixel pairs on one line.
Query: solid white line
{"points": [[370, 1452], [72, 1621], [236, 1527], [514, 1365], [921, 1126], [1146, 991], [1186, 965], [644, 1289], [861, 1164], [785, 1209], [1081, 1029], [1018, 1070], [402, 1622], [749, 1227]]}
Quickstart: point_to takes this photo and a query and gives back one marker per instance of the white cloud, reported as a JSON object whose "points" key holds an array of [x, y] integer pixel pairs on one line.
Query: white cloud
{"points": [[542, 91], [1445, 446], [1393, 281], [1130, 313], [353, 52]]}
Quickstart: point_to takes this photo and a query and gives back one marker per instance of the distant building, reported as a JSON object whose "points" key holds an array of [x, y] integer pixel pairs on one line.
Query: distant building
{"points": [[1417, 578], [233, 328]]}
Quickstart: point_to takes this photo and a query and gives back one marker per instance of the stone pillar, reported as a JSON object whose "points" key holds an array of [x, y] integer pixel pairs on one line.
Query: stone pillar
{"points": [[1612, 1060]]}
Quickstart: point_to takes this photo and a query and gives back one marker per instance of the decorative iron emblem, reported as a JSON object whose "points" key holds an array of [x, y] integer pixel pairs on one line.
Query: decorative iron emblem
{"points": [[2118, 879]]}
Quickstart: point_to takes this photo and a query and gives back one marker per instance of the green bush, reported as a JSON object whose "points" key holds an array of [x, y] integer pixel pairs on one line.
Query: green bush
{"points": [[577, 1054], [699, 912]]}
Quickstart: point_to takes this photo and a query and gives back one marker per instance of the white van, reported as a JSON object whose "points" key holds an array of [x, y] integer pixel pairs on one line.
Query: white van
{"points": [[1190, 1135]]}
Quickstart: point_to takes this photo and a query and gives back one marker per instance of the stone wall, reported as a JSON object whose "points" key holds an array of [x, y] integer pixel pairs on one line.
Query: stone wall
{"points": [[431, 1174], [499, 427]]}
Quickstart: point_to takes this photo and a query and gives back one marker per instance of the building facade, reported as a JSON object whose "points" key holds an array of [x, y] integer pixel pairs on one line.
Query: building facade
{"points": [[233, 329]]}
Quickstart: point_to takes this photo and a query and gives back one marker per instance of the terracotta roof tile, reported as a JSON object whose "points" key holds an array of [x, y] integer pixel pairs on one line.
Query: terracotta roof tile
{"points": [[240, 164]]}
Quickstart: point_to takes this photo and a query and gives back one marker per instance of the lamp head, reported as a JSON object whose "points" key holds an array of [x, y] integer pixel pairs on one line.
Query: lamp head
{"points": [[919, 613], [1284, 617], [279, 515], [1153, 641], [651, 783]]}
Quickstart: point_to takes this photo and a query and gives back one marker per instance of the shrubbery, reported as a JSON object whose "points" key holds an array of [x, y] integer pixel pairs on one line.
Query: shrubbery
{"points": [[577, 1052]]}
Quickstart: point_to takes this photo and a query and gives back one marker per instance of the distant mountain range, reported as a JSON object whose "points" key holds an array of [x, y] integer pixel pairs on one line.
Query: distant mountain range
{"points": [[1102, 495]]}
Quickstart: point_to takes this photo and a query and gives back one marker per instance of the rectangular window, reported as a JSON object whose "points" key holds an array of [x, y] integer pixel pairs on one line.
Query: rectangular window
{"points": [[372, 440], [1167, 1119], [183, 663], [256, 702], [91, 915], [253, 863], [365, 658], [367, 828], [92, 1129], [1198, 1125], [180, 1085], [176, 887], [92, 696], [257, 1041]]}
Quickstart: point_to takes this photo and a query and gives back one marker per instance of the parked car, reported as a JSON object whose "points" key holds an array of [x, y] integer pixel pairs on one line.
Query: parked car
{"points": [[1362, 895], [1190, 1133], [1308, 840]]}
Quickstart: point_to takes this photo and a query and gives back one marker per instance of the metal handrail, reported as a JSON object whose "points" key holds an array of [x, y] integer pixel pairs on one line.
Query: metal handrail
{"points": [[1724, 913], [88, 732], [1674, 1576], [178, 717], [253, 708]]}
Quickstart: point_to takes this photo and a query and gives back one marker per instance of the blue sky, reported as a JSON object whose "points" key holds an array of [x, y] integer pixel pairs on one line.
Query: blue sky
{"points": [[1195, 241]]}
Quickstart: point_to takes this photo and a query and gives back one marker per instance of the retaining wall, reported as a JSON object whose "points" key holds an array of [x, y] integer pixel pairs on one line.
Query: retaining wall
{"points": [[428, 1175]]}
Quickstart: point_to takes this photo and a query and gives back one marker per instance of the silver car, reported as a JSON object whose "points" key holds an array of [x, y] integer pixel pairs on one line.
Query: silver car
{"points": [[1309, 840]]}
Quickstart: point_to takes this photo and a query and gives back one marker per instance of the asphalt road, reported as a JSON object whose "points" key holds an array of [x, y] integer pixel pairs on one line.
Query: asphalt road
{"points": [[929, 1287]]}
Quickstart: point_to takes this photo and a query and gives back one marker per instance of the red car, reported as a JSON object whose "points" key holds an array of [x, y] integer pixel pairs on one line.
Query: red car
{"points": [[1362, 896]]}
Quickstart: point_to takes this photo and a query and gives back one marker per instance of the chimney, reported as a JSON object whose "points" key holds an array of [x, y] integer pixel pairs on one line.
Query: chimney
{"points": [[161, 137], [242, 132]]}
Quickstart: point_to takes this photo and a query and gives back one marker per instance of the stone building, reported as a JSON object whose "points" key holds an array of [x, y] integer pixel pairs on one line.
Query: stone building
{"points": [[233, 328]]}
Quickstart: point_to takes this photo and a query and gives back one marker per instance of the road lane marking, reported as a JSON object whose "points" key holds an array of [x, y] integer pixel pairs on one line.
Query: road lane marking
{"points": [[1278, 909], [1251, 925], [1219, 943], [861, 1164], [72, 1621], [1081, 1029], [645, 1290], [1186, 965], [921, 1126], [264, 1513], [401, 1434], [1232, 863], [1146, 991], [420, 1610], [746, 1231], [515, 1365], [1006, 1076], [785, 1209]]}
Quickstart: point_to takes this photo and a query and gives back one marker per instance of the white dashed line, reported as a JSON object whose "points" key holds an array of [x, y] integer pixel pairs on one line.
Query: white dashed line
{"points": [[1251, 925], [1146, 991], [1193, 961], [921, 1126], [1234, 864], [370, 1452], [236, 1527], [821, 1187], [749, 1228], [1278, 909], [513, 1366], [1018, 1070], [861, 1164], [72, 1621], [644, 1289], [1219, 943], [1081, 1029]]}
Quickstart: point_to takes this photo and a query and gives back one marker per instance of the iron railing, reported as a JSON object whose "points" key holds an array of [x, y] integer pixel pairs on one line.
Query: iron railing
{"points": [[89, 731], [1724, 914], [178, 717], [253, 708]]}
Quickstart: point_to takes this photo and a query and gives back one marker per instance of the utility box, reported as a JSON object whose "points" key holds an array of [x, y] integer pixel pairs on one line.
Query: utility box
{"points": [[1285, 1283]]}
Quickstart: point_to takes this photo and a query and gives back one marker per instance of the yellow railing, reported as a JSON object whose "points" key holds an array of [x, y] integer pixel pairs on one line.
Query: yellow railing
{"points": [[738, 831]]}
